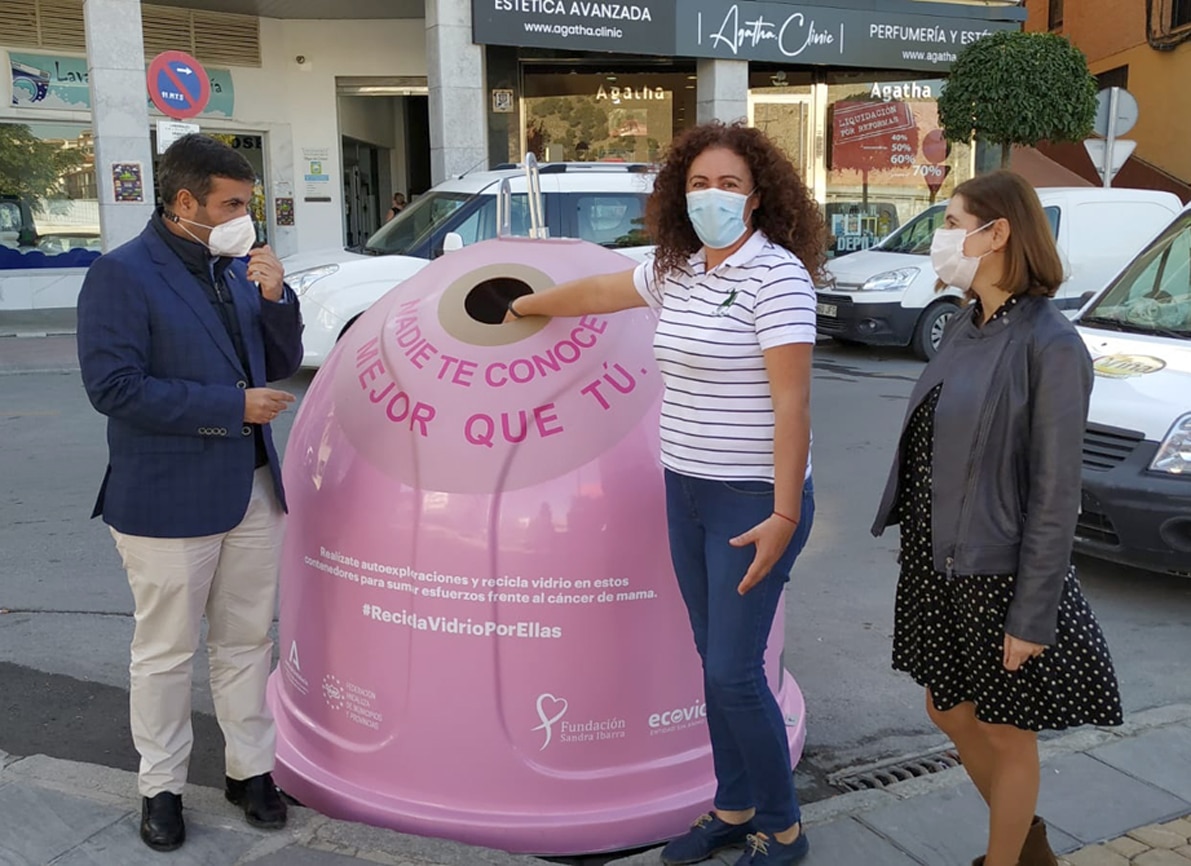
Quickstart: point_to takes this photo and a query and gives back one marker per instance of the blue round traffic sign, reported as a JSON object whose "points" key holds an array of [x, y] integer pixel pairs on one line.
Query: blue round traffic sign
{"points": [[178, 85]]}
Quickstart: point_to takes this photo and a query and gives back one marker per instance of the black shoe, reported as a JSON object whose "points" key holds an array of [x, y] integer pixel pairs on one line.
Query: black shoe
{"points": [[707, 836], [162, 828], [263, 806]]}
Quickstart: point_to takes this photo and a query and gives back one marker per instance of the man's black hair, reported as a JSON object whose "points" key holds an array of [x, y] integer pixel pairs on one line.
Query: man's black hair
{"points": [[193, 161]]}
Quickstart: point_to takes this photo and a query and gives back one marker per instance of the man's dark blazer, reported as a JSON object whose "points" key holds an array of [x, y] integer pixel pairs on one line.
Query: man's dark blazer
{"points": [[157, 360]]}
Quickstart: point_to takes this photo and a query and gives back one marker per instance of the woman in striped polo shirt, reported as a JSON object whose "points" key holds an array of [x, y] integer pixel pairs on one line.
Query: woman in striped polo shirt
{"points": [[738, 238]]}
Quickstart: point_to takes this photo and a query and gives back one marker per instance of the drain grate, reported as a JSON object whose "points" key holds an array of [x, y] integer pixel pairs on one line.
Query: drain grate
{"points": [[898, 770]]}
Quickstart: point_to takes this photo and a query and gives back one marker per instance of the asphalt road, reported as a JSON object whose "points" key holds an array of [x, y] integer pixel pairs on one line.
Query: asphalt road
{"points": [[65, 608]]}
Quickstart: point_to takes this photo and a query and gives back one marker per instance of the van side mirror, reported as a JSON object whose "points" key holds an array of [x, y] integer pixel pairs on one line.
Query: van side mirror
{"points": [[452, 241]]}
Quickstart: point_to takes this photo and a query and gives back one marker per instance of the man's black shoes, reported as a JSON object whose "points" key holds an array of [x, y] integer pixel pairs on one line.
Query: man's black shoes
{"points": [[161, 822], [258, 796]]}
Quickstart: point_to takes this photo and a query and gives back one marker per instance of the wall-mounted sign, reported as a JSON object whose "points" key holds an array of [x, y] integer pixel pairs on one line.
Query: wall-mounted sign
{"points": [[169, 131], [784, 33], [744, 30], [502, 101], [54, 81], [316, 175], [641, 27]]}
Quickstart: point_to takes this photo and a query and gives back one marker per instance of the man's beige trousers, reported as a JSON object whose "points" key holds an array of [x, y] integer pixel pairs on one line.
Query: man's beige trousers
{"points": [[232, 578]]}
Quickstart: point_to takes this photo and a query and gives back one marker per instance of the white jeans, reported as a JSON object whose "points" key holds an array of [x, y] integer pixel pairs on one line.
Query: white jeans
{"points": [[232, 578]]}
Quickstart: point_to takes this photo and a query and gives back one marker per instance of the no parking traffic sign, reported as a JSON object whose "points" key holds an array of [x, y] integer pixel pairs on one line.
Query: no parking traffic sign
{"points": [[178, 85]]}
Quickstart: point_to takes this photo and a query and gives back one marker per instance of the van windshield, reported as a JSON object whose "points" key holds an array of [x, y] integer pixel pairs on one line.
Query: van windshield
{"points": [[402, 234], [915, 236], [1153, 295]]}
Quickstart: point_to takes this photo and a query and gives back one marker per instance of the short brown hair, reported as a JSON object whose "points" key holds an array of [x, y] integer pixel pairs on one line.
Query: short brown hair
{"points": [[1032, 263]]}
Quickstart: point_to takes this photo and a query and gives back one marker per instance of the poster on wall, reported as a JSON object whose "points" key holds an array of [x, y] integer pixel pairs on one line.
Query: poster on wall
{"points": [[55, 81], [316, 176], [128, 183]]}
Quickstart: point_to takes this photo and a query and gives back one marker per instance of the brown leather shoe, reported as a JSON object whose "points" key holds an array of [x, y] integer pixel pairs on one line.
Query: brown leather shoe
{"points": [[1036, 851]]}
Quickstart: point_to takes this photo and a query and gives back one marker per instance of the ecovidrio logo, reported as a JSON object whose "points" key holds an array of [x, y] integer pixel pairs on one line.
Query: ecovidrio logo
{"points": [[678, 718]]}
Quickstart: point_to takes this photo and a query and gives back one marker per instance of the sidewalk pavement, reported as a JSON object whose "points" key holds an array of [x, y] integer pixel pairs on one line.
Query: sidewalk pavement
{"points": [[38, 323], [1128, 787]]}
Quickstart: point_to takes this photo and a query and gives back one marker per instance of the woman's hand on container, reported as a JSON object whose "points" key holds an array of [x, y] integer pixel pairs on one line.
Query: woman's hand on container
{"points": [[771, 536], [1017, 652]]}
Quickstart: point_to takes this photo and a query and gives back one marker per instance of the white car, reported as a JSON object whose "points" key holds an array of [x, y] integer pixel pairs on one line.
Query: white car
{"points": [[1136, 502], [599, 202], [885, 295]]}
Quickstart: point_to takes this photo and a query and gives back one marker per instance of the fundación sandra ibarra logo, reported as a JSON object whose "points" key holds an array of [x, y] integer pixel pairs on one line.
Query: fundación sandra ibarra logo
{"points": [[555, 727]]}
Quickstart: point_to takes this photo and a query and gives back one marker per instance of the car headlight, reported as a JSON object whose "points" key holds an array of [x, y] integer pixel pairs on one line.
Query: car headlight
{"points": [[303, 280], [888, 280], [1174, 455]]}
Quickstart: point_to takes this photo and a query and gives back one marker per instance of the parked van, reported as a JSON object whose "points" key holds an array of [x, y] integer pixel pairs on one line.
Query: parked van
{"points": [[885, 295], [1136, 502], [596, 201]]}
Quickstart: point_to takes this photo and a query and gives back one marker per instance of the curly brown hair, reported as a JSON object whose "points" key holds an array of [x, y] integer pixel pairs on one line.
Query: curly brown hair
{"points": [[787, 213]]}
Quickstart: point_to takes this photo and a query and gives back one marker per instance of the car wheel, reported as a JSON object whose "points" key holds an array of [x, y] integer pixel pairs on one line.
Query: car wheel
{"points": [[931, 326]]}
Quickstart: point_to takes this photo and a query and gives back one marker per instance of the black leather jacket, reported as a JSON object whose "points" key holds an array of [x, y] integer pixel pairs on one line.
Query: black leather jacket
{"points": [[1008, 447]]}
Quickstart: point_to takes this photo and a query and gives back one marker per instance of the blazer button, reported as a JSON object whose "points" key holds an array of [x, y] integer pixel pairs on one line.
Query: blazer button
{"points": [[241, 384], [245, 430]]}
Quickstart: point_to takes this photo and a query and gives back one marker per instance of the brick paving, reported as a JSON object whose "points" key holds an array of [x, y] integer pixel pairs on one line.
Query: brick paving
{"points": [[1166, 844]]}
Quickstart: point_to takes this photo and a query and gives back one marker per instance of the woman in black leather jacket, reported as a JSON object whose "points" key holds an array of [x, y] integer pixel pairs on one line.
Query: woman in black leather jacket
{"points": [[986, 488]]}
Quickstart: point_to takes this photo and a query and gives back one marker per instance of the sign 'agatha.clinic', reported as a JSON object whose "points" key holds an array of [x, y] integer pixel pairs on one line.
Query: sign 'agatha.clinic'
{"points": [[744, 30]]}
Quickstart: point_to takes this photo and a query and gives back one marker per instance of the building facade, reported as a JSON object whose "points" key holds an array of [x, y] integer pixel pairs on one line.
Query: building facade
{"points": [[337, 114], [1144, 47]]}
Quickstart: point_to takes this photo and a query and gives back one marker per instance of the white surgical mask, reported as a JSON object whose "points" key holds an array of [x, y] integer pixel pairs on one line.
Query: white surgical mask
{"points": [[948, 259], [717, 216], [233, 238]]}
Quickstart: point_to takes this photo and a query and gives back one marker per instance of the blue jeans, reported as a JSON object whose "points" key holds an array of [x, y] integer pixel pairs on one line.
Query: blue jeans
{"points": [[748, 732]]}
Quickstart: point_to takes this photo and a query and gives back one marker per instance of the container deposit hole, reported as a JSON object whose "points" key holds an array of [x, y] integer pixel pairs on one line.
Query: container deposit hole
{"points": [[488, 302]]}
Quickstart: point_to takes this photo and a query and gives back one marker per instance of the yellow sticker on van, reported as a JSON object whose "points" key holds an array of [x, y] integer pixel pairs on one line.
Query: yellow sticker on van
{"points": [[1126, 366]]}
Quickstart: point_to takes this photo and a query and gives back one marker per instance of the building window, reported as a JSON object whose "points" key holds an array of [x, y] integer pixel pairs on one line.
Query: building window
{"points": [[1180, 13], [49, 208], [1054, 14], [1118, 77]]}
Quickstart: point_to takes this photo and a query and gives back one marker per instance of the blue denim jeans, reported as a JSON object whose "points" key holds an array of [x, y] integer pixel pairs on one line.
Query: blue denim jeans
{"points": [[748, 732]]}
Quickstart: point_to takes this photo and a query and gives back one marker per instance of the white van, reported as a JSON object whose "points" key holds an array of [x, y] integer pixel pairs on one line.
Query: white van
{"points": [[1136, 503], [601, 202], [885, 295]]}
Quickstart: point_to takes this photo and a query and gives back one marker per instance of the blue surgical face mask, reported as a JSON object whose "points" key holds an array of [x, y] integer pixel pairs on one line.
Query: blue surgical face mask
{"points": [[717, 216]]}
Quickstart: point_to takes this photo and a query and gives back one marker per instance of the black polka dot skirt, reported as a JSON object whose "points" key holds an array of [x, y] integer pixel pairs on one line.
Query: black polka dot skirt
{"points": [[949, 633]]}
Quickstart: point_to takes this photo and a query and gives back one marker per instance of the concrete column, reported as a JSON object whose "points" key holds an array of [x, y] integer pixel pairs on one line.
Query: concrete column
{"points": [[723, 90], [119, 112], [455, 69]]}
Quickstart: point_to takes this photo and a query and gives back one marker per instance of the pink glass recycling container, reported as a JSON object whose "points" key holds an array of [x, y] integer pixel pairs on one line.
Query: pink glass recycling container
{"points": [[481, 635]]}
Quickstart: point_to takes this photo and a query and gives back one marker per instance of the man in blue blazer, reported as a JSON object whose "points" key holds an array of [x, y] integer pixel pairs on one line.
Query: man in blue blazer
{"points": [[177, 337]]}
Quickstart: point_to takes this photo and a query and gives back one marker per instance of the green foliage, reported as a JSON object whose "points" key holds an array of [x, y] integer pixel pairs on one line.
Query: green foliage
{"points": [[32, 169], [1019, 88]]}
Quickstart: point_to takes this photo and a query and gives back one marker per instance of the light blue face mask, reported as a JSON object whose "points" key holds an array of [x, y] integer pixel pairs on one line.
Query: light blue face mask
{"points": [[717, 216]]}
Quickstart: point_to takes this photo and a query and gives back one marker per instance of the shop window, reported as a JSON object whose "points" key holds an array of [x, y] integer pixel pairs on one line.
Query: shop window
{"points": [[1054, 14], [604, 116], [887, 160], [611, 220], [1118, 77], [49, 208]]}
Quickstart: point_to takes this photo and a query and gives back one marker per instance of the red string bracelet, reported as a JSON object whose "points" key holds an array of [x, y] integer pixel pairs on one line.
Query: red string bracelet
{"points": [[783, 517]]}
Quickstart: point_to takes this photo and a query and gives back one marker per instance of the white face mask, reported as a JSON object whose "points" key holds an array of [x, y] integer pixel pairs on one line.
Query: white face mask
{"points": [[233, 238], [948, 259]]}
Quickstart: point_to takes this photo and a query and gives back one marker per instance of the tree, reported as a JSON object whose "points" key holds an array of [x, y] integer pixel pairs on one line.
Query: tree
{"points": [[32, 169], [1018, 88]]}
